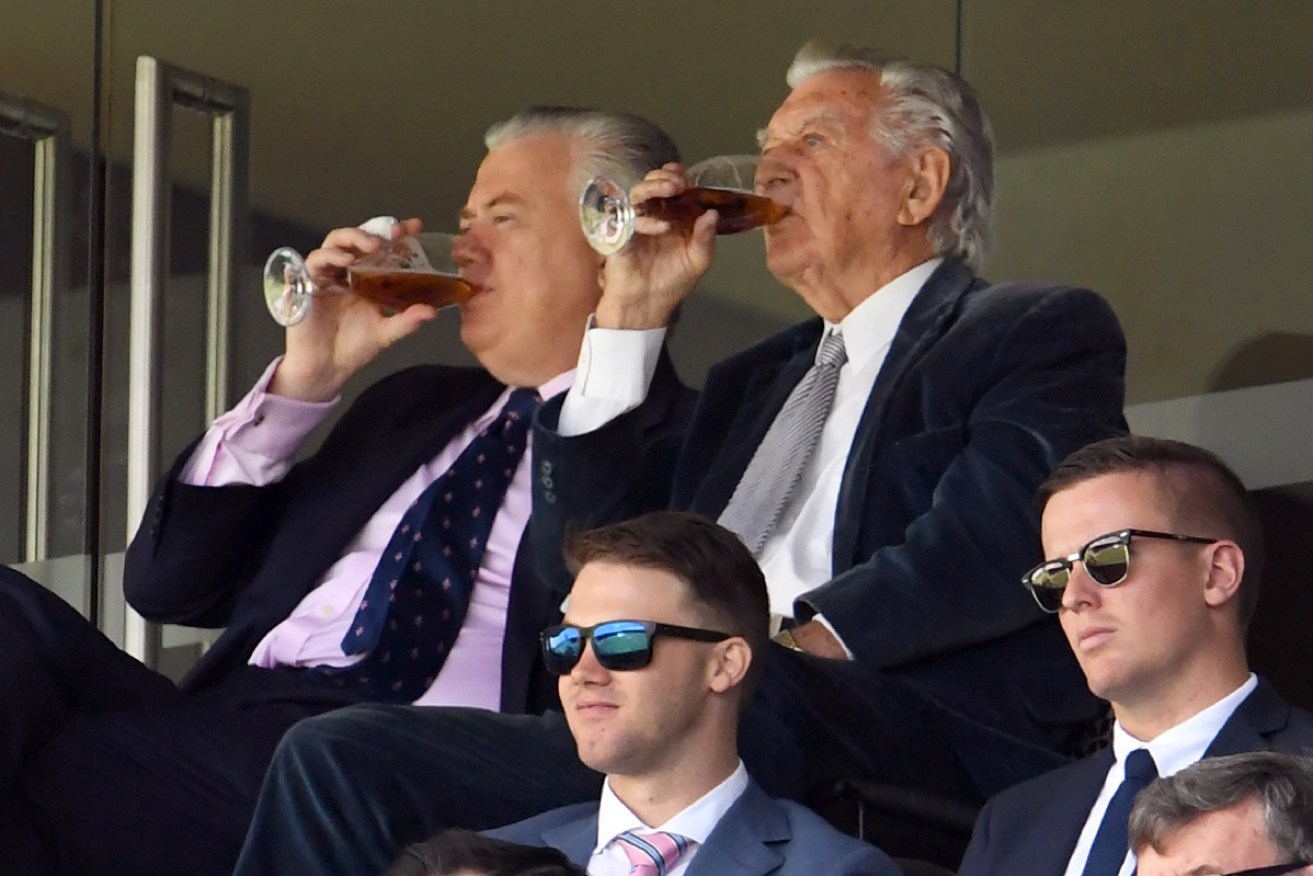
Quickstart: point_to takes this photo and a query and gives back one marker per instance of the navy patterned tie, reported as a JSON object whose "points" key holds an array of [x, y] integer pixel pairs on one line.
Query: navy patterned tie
{"points": [[1109, 849], [420, 590]]}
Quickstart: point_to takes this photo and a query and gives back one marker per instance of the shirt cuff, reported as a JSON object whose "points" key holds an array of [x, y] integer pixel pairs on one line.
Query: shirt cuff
{"points": [[255, 441], [614, 373], [833, 632]]}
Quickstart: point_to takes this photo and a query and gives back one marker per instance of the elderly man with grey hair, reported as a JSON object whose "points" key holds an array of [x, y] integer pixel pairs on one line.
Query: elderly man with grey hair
{"points": [[879, 461], [1243, 815]]}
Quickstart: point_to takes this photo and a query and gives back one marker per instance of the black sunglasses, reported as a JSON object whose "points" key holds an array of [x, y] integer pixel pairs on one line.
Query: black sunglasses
{"points": [[1107, 560], [1271, 869], [618, 645]]}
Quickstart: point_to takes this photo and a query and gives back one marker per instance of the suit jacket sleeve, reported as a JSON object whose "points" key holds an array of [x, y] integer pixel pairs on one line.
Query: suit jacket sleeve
{"points": [[1043, 377], [198, 548], [618, 471]]}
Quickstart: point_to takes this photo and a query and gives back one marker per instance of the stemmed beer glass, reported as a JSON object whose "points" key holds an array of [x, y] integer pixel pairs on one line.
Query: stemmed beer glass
{"points": [[414, 269], [724, 183]]}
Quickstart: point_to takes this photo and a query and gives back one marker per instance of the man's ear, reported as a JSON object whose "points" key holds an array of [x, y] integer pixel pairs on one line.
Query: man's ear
{"points": [[729, 664], [1226, 567], [926, 183]]}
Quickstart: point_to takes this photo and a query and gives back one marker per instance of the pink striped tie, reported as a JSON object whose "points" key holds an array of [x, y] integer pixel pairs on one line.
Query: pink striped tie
{"points": [[652, 854]]}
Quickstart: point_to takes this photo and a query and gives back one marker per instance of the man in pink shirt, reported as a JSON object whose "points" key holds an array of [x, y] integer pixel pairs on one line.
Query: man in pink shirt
{"points": [[385, 567]]}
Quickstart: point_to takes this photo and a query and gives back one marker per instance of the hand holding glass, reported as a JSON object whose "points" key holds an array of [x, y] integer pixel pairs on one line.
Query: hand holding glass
{"points": [[725, 184], [414, 269]]}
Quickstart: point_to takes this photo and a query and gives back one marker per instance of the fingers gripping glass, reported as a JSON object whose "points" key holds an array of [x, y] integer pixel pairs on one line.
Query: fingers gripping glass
{"points": [[413, 269], [1107, 560], [618, 645], [723, 183]]}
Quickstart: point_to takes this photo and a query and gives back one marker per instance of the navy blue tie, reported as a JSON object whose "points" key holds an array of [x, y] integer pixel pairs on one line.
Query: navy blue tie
{"points": [[1109, 849], [416, 601]]}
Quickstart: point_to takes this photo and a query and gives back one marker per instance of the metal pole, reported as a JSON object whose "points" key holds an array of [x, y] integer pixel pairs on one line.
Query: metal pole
{"points": [[159, 86]]}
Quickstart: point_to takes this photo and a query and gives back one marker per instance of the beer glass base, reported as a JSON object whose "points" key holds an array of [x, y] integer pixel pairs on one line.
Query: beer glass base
{"points": [[606, 215], [287, 286]]}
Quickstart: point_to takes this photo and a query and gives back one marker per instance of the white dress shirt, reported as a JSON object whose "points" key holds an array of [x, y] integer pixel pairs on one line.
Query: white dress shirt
{"points": [[614, 373], [1172, 751], [694, 823]]}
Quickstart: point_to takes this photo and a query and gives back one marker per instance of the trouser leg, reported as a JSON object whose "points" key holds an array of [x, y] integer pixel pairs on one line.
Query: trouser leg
{"points": [[57, 664], [346, 791], [166, 790]]}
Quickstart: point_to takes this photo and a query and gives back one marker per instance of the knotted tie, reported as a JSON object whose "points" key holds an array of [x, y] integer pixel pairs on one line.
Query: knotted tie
{"points": [[417, 598], [771, 478], [1109, 849], [652, 853]]}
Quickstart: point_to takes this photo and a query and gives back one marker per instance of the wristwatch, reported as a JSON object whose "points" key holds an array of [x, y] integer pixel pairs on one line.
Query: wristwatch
{"points": [[785, 638]]}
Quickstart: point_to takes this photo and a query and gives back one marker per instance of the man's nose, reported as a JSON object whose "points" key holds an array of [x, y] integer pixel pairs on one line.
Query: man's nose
{"points": [[466, 250], [773, 171], [1081, 590], [588, 670]]}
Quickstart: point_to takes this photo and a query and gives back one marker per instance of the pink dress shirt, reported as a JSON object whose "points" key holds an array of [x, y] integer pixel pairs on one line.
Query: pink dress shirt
{"points": [[255, 442]]}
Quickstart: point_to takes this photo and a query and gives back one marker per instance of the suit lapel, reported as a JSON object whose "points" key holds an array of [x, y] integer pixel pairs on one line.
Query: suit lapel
{"points": [[1049, 849], [741, 842], [927, 319], [414, 437], [1261, 714], [348, 481], [576, 838], [774, 374]]}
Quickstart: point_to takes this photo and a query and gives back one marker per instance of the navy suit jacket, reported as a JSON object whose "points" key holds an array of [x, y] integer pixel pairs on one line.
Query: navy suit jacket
{"points": [[243, 557], [1033, 828], [756, 836], [984, 390]]}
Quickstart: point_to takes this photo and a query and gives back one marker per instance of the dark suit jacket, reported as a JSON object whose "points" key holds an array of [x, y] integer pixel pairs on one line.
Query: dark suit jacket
{"points": [[1033, 828], [756, 836], [984, 390], [243, 557]]}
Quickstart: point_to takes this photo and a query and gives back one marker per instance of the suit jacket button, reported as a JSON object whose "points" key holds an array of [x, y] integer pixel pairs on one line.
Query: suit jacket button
{"points": [[545, 467]]}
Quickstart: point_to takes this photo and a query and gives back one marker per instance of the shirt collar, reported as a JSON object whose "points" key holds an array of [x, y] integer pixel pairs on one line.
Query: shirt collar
{"points": [[557, 385], [1175, 749], [870, 326], [695, 822]]}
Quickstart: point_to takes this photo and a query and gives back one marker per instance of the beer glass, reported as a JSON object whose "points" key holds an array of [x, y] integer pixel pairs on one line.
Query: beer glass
{"points": [[724, 183], [413, 269]]}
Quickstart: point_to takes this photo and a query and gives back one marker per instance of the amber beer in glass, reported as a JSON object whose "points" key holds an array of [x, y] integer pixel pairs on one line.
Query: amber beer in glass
{"points": [[724, 184], [735, 211], [414, 269], [397, 290]]}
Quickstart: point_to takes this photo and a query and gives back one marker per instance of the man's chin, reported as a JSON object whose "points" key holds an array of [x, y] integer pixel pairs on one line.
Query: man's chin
{"points": [[786, 261]]}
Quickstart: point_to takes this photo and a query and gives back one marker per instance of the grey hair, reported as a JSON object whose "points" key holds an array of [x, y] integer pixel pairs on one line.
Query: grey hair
{"points": [[923, 105], [1282, 785], [620, 146]]}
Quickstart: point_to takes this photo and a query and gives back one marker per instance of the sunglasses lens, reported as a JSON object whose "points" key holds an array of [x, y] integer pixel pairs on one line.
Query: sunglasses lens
{"points": [[1107, 564], [1047, 583], [561, 649], [622, 645]]}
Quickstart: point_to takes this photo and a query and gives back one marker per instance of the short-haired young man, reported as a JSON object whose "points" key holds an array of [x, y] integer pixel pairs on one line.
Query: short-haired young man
{"points": [[1156, 557], [656, 657]]}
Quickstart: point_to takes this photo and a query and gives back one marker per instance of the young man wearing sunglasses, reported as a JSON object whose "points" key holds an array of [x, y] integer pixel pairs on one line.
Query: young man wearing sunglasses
{"points": [[1252, 811], [1157, 556], [656, 658]]}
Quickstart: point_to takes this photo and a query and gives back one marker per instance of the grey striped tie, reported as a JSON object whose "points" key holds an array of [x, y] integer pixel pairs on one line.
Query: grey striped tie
{"points": [[771, 479]]}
